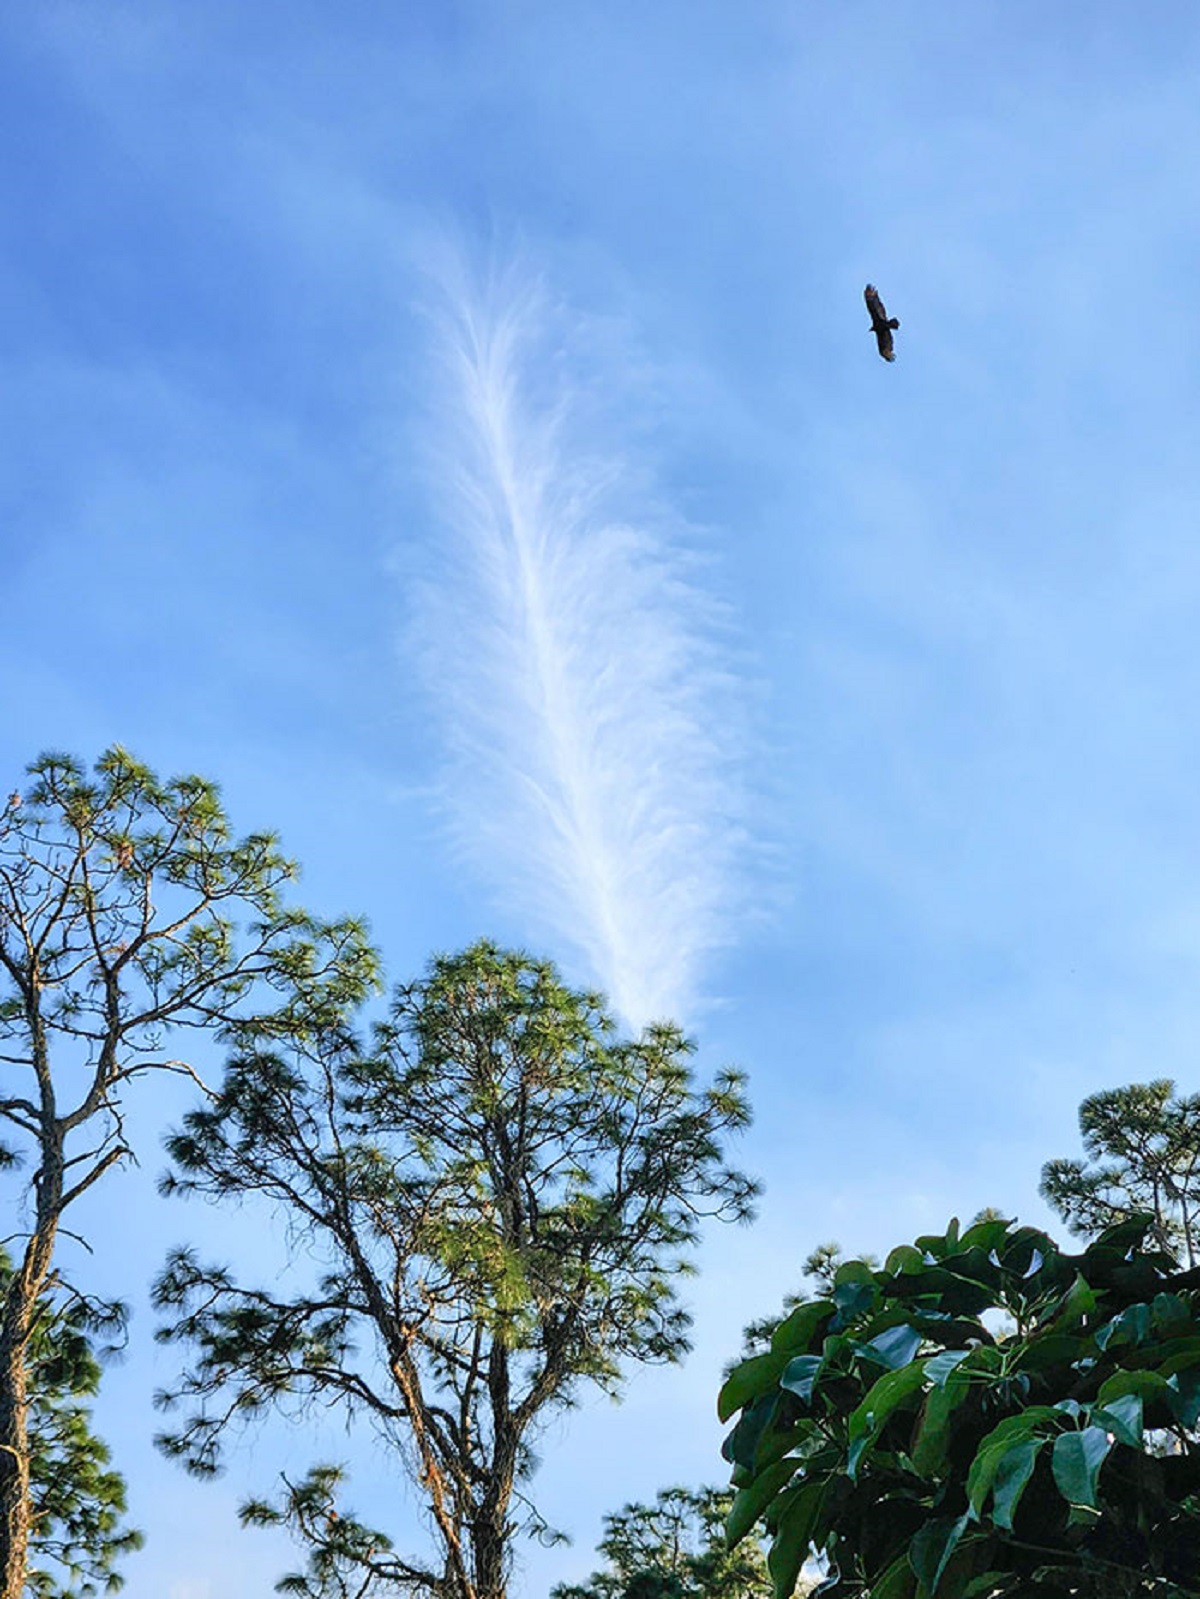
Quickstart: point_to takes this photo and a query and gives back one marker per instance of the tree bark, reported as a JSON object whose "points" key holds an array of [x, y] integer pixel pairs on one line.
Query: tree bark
{"points": [[490, 1533], [16, 1328], [14, 1454], [490, 1537]]}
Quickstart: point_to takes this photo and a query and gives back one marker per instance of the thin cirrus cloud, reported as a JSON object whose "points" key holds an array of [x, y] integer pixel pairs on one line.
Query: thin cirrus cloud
{"points": [[587, 700]]}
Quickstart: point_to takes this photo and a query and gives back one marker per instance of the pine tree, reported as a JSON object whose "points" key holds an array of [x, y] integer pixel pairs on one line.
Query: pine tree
{"points": [[674, 1549], [76, 1499], [127, 911], [1143, 1156], [500, 1196]]}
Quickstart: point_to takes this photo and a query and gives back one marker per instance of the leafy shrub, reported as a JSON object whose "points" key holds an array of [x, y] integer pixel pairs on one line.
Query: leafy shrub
{"points": [[985, 1416]]}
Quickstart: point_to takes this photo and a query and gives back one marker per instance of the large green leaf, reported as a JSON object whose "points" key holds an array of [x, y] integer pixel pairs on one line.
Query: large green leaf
{"points": [[740, 1446], [1149, 1385], [1132, 1326], [748, 1381], [854, 1271], [869, 1420], [750, 1501], [986, 1235], [1123, 1418], [1022, 1425], [1048, 1350], [933, 1433], [1124, 1236], [1078, 1302], [1010, 1480], [1076, 1462], [797, 1330], [1011, 1432], [789, 1550], [893, 1348], [1184, 1352], [904, 1259], [899, 1581], [1186, 1399], [930, 1551], [950, 1292], [777, 1441], [978, 1265], [1169, 1313], [853, 1299], [939, 1367], [800, 1374], [810, 1494]]}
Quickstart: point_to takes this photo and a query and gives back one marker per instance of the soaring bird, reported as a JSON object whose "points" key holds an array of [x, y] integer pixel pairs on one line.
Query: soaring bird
{"points": [[881, 327]]}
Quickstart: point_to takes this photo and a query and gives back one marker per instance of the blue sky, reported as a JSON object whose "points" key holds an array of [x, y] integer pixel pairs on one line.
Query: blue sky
{"points": [[960, 592]]}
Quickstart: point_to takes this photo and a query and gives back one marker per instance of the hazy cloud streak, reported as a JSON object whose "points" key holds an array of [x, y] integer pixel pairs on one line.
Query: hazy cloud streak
{"points": [[591, 719]]}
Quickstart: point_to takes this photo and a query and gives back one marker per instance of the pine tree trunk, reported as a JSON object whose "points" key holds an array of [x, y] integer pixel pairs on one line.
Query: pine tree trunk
{"points": [[16, 1326], [489, 1537], [490, 1531], [14, 1446]]}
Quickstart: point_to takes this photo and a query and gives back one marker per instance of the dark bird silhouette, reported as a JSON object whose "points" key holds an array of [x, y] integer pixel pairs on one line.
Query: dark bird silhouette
{"points": [[881, 326]]}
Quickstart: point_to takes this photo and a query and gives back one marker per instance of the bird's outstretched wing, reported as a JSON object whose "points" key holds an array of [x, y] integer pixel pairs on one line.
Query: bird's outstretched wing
{"points": [[881, 324]]}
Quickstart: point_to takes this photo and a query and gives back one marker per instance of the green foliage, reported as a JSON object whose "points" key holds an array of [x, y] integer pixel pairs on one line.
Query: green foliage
{"points": [[139, 910], [674, 1549], [984, 1416], [1143, 1155], [503, 1195], [77, 1500], [128, 910], [819, 1270], [346, 1554]]}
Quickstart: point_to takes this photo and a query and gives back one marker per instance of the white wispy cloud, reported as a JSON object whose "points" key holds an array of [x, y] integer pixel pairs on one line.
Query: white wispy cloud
{"points": [[592, 721]]}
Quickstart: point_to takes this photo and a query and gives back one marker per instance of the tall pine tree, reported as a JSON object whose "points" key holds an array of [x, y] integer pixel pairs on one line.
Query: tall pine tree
{"points": [[77, 1500], [128, 911], [499, 1195], [1142, 1145]]}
